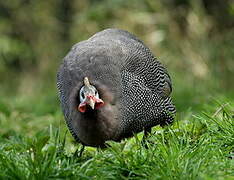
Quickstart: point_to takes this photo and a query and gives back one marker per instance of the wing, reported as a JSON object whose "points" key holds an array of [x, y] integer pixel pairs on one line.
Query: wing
{"points": [[157, 78]]}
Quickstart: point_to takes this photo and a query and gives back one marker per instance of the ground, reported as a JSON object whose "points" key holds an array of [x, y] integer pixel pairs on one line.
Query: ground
{"points": [[35, 144]]}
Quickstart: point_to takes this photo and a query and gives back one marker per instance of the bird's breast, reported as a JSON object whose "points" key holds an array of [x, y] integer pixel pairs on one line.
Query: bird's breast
{"points": [[95, 130]]}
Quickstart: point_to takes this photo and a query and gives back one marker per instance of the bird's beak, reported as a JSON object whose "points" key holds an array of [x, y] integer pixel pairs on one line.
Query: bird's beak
{"points": [[91, 103], [94, 102]]}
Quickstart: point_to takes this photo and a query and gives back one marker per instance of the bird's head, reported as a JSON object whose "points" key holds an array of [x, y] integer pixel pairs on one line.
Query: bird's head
{"points": [[89, 97]]}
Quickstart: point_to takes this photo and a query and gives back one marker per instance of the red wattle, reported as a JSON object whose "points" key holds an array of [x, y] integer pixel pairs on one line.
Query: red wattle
{"points": [[98, 103], [82, 107]]}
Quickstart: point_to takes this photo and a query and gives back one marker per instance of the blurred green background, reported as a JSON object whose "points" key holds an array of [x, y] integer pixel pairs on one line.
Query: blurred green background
{"points": [[193, 39]]}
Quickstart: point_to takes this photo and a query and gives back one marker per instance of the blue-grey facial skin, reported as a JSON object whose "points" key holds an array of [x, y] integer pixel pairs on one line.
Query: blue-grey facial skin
{"points": [[88, 91], [86, 94]]}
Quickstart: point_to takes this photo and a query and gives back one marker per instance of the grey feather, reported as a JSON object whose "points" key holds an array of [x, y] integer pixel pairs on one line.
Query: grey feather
{"points": [[139, 84]]}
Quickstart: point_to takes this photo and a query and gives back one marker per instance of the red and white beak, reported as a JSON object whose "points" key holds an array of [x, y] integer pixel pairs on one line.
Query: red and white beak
{"points": [[93, 102]]}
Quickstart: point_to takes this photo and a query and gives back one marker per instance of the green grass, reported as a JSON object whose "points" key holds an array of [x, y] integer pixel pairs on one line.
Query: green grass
{"points": [[34, 144], [186, 36]]}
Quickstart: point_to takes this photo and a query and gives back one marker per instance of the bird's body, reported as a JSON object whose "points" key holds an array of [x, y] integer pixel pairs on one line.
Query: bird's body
{"points": [[133, 86]]}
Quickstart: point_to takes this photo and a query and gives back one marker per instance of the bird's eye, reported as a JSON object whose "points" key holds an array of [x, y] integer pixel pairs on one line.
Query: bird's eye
{"points": [[96, 94], [82, 94]]}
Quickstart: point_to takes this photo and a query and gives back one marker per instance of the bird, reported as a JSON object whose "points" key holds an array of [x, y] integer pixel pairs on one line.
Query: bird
{"points": [[111, 87]]}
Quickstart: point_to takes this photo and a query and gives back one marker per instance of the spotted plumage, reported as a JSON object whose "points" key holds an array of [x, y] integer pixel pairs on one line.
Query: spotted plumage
{"points": [[134, 87]]}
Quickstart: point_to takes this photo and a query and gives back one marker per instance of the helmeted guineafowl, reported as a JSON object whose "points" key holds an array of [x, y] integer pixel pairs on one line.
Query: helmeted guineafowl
{"points": [[111, 86]]}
